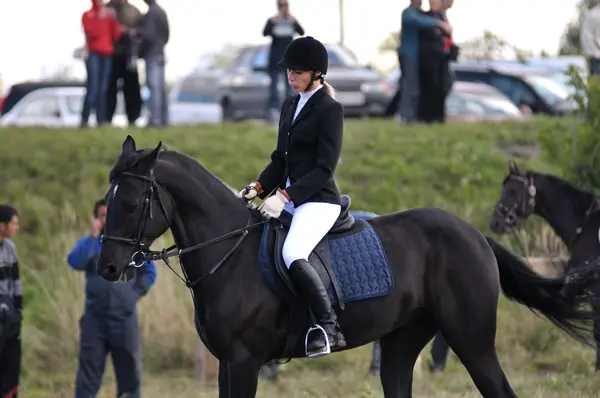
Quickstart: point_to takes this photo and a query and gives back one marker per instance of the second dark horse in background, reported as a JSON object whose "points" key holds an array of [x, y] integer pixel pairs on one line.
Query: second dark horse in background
{"points": [[573, 214]]}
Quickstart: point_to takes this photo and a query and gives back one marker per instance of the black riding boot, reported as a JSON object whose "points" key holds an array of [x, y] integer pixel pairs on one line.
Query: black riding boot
{"points": [[310, 287]]}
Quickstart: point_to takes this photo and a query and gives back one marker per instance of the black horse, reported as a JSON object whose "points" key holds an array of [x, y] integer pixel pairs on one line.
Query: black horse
{"points": [[572, 213], [445, 276]]}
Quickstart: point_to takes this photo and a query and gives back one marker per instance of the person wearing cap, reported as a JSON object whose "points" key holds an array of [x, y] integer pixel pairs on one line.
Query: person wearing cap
{"points": [[11, 304], [301, 173]]}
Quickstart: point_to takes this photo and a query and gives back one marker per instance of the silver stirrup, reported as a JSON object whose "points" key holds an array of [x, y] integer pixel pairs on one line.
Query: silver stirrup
{"points": [[323, 351]]}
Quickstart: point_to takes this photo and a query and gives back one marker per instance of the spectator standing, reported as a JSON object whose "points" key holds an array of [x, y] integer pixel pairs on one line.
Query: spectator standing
{"points": [[451, 49], [154, 35], [589, 37], [109, 322], [433, 69], [282, 28], [101, 29], [11, 305], [413, 20], [124, 63]]}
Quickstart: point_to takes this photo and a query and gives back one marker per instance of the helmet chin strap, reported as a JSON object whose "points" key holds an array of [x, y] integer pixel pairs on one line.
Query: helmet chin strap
{"points": [[314, 78]]}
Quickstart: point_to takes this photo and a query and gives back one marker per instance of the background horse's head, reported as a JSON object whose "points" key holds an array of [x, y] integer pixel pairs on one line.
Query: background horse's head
{"points": [[517, 200], [139, 211]]}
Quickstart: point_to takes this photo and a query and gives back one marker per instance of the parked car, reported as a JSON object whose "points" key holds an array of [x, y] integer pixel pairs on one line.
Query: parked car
{"points": [[59, 107], [478, 101], [194, 98], [244, 88], [17, 91], [467, 101], [523, 85]]}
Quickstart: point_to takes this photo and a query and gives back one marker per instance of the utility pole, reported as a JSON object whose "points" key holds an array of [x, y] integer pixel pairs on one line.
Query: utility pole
{"points": [[341, 4]]}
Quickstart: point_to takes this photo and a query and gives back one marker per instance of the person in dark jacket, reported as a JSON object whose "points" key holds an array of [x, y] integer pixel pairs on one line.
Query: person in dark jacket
{"points": [[301, 172], [154, 35], [124, 63], [109, 322], [282, 28], [413, 21], [11, 304], [433, 69], [101, 29]]}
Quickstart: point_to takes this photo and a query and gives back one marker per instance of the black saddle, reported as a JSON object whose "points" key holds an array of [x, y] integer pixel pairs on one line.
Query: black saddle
{"points": [[320, 257]]}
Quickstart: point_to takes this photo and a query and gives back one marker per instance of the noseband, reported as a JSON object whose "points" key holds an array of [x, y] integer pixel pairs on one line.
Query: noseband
{"points": [[525, 206]]}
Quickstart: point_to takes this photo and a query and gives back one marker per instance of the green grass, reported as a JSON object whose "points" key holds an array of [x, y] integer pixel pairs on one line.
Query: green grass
{"points": [[54, 176]]}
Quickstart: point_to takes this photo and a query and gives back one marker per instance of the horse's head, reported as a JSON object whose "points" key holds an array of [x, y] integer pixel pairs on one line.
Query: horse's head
{"points": [[139, 211], [517, 200]]}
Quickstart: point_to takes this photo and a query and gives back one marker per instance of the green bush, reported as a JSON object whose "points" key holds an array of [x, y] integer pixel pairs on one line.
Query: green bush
{"points": [[576, 149], [54, 176]]}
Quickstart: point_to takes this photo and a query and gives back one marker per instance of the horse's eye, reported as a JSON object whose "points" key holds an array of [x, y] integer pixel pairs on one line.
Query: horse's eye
{"points": [[130, 205]]}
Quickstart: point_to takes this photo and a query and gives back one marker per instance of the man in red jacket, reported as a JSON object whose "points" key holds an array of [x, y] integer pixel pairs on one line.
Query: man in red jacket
{"points": [[101, 29]]}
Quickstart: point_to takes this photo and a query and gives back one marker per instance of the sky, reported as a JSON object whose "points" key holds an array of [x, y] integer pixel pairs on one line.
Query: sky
{"points": [[41, 35]]}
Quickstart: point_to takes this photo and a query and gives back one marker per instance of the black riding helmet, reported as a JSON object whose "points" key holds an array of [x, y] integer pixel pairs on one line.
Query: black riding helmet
{"points": [[306, 54]]}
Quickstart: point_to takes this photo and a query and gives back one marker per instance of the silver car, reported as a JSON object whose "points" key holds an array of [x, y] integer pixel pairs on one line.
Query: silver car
{"points": [[244, 86]]}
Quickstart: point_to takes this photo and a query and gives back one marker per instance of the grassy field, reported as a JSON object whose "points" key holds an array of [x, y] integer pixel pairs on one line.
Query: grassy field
{"points": [[53, 177]]}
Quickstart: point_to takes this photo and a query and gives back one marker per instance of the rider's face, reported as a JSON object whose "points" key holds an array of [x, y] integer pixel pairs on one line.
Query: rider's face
{"points": [[298, 80]]}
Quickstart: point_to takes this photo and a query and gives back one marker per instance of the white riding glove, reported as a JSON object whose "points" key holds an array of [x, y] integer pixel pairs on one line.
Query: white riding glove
{"points": [[273, 206], [251, 191]]}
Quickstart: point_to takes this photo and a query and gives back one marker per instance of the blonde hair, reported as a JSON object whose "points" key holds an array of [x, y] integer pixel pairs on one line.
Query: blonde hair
{"points": [[329, 89]]}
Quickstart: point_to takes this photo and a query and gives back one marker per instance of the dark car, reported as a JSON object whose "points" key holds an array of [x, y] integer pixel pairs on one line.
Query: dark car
{"points": [[523, 85], [244, 88]]}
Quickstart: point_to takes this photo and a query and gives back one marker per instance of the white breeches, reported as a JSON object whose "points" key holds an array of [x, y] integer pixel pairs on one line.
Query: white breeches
{"points": [[310, 223]]}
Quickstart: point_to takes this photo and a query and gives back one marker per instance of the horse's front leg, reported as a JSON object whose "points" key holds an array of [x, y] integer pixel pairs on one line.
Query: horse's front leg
{"points": [[240, 374]]}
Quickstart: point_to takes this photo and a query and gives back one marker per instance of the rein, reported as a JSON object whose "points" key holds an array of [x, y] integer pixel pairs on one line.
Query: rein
{"points": [[143, 255]]}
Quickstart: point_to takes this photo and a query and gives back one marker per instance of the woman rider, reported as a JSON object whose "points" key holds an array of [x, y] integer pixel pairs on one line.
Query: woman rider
{"points": [[301, 170]]}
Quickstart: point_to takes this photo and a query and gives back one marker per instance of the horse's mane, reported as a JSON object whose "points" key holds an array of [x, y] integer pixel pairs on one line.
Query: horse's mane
{"points": [[581, 196]]}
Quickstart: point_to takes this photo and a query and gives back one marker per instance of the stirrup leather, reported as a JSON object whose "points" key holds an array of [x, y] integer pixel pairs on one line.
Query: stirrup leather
{"points": [[321, 352]]}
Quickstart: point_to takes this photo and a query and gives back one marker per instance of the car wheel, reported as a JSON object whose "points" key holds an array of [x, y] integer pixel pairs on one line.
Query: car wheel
{"points": [[227, 111]]}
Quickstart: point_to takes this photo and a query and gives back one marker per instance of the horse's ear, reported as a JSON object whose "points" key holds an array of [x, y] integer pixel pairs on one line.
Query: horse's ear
{"points": [[513, 168], [148, 160], [128, 145]]}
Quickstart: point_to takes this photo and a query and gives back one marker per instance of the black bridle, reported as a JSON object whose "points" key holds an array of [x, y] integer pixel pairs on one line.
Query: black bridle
{"points": [[521, 208], [524, 207], [143, 254]]}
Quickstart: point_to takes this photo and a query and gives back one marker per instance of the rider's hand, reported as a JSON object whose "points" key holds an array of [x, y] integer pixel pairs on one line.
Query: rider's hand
{"points": [[273, 206], [251, 191]]}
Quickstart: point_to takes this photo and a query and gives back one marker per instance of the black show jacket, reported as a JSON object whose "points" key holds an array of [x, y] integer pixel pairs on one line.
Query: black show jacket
{"points": [[308, 150]]}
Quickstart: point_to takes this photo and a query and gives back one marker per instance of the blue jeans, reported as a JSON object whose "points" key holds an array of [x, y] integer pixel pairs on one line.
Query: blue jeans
{"points": [[98, 71], [594, 65], [275, 74], [409, 89], [157, 85]]}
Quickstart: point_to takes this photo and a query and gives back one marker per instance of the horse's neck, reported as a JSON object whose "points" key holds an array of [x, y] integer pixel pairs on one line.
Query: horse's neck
{"points": [[204, 214], [562, 206]]}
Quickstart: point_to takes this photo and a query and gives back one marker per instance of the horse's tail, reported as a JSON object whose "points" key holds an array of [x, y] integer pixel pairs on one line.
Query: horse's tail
{"points": [[559, 298]]}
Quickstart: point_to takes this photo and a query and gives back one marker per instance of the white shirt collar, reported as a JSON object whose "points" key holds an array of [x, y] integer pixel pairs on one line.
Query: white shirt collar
{"points": [[305, 96]]}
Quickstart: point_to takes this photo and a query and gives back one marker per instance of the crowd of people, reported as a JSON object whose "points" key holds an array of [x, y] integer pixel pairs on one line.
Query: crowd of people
{"points": [[117, 34]]}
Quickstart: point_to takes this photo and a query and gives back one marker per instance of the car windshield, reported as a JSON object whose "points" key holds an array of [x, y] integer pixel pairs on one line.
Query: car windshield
{"points": [[490, 103], [552, 91]]}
